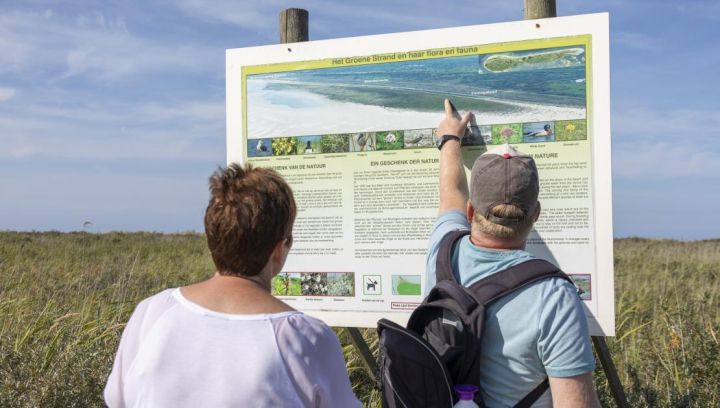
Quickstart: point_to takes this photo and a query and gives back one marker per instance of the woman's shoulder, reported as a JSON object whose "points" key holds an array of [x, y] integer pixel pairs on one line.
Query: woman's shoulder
{"points": [[154, 306], [160, 299], [299, 326]]}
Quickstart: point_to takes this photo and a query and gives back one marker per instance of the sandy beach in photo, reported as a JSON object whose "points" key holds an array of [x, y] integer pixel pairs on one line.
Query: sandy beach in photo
{"points": [[273, 113]]}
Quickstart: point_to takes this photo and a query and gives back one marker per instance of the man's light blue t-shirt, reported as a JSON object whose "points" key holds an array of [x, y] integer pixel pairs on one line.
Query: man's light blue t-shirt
{"points": [[535, 332]]}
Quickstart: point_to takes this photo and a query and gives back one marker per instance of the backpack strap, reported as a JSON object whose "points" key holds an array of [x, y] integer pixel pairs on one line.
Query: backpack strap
{"points": [[449, 290], [499, 284], [443, 265], [533, 395]]}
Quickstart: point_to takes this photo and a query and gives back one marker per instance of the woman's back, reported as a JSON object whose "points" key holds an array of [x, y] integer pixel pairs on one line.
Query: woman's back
{"points": [[176, 353], [227, 341]]}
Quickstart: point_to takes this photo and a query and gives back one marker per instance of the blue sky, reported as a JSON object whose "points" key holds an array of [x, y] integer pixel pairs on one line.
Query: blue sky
{"points": [[114, 111]]}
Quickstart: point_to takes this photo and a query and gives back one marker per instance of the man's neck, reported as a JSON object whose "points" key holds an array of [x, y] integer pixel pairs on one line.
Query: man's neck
{"points": [[484, 241]]}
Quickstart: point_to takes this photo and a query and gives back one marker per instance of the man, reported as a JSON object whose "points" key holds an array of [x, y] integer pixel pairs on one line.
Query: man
{"points": [[538, 331]]}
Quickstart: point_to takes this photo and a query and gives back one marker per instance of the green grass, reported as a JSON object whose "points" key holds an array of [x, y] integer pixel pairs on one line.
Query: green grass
{"points": [[64, 300]]}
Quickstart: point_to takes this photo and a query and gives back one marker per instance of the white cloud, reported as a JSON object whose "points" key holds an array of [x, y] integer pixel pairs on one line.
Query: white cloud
{"points": [[6, 94], [93, 45], [638, 125], [655, 145], [93, 115], [185, 130], [210, 111], [255, 15], [659, 161], [708, 9], [333, 17], [636, 41]]}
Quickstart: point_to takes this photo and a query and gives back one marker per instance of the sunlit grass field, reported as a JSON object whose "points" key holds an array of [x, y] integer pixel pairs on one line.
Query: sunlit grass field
{"points": [[64, 299]]}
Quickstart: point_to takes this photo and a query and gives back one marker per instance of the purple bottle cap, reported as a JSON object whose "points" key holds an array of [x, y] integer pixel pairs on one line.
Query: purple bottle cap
{"points": [[466, 392]]}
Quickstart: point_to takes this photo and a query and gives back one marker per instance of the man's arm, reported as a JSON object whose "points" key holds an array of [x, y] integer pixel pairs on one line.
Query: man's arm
{"points": [[453, 183], [574, 392]]}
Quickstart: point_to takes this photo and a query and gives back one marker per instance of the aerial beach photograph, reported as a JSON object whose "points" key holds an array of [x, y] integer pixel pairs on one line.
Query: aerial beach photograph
{"points": [[527, 86]]}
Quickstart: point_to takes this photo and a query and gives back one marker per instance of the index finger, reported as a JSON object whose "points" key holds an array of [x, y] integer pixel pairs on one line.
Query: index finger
{"points": [[448, 108]]}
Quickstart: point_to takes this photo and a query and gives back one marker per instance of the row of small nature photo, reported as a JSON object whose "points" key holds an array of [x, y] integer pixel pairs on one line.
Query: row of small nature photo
{"points": [[535, 132]]}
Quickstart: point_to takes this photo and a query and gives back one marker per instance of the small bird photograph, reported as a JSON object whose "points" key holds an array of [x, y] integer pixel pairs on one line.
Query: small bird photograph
{"points": [[538, 132], [419, 138], [309, 145], [259, 147], [363, 142]]}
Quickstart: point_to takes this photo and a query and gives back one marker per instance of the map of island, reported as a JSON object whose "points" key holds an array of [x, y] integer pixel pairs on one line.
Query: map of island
{"points": [[557, 58]]}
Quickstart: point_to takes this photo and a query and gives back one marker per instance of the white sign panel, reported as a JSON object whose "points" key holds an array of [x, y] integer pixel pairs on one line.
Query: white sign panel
{"points": [[350, 123]]}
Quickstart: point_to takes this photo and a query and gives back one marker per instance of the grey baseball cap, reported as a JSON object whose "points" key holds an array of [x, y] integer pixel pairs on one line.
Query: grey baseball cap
{"points": [[504, 175]]}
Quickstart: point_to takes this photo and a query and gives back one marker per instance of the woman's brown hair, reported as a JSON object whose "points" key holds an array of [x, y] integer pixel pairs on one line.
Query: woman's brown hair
{"points": [[250, 211]]}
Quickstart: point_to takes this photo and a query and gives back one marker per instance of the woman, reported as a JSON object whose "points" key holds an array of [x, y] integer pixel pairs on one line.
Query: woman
{"points": [[226, 341]]}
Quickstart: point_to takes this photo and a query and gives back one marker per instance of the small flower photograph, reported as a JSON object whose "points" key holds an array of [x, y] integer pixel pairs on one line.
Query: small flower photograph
{"points": [[508, 133], [571, 130], [313, 284], [390, 140], [284, 146], [341, 283]]}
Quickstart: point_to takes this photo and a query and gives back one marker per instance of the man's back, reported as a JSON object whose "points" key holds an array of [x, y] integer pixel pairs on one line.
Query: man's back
{"points": [[529, 334]]}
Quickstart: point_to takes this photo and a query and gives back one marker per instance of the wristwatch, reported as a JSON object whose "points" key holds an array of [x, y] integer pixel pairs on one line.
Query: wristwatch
{"points": [[445, 138]]}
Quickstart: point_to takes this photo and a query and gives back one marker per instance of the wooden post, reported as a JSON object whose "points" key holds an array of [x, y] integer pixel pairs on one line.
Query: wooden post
{"points": [[616, 386], [294, 25], [366, 356], [545, 9], [294, 28], [539, 9]]}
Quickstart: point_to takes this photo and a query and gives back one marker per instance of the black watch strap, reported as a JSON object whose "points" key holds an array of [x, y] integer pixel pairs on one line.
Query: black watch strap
{"points": [[445, 138]]}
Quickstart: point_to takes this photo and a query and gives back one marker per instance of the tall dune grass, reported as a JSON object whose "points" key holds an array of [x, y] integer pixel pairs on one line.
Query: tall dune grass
{"points": [[64, 300]]}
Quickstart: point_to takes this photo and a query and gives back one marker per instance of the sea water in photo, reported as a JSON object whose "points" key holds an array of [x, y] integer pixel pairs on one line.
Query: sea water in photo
{"points": [[510, 87]]}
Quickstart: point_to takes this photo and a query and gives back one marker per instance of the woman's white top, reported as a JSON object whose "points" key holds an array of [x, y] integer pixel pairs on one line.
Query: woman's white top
{"points": [[175, 353]]}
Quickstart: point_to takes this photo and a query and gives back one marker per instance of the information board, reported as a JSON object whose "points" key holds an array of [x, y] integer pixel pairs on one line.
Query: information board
{"points": [[350, 124]]}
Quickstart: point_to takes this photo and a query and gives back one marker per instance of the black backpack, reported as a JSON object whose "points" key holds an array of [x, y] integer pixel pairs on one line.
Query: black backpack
{"points": [[419, 365]]}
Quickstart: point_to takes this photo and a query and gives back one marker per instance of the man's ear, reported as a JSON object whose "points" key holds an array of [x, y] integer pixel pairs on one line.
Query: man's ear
{"points": [[537, 212], [470, 212]]}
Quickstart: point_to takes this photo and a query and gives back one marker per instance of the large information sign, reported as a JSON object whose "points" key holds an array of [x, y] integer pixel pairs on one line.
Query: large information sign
{"points": [[350, 123]]}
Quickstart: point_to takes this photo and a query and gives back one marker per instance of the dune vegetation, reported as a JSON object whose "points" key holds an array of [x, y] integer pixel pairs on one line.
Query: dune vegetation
{"points": [[65, 297]]}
